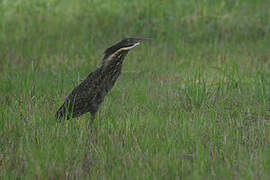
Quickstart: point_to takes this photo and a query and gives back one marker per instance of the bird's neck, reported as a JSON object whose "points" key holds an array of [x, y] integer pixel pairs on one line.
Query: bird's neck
{"points": [[114, 62], [112, 69]]}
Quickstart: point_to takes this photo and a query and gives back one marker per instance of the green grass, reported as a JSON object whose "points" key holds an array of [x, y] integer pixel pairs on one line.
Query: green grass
{"points": [[192, 104]]}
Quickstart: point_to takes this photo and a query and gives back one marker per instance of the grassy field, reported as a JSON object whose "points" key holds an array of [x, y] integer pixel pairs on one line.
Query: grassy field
{"points": [[192, 104]]}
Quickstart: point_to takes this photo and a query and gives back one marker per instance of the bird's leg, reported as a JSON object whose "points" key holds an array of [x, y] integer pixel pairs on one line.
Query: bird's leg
{"points": [[92, 121], [93, 115]]}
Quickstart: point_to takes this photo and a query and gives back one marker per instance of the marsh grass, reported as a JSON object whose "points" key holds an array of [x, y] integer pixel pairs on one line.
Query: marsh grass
{"points": [[192, 104]]}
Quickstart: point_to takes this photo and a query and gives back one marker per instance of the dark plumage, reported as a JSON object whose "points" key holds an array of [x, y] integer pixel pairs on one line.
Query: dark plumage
{"points": [[88, 95]]}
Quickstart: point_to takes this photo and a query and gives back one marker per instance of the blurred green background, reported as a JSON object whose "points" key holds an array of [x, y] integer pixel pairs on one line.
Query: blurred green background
{"points": [[191, 104]]}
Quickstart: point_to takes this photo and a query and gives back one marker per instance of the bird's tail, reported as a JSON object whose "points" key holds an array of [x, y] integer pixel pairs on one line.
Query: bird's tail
{"points": [[61, 113]]}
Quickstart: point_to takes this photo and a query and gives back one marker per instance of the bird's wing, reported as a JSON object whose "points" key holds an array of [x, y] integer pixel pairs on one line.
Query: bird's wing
{"points": [[84, 94]]}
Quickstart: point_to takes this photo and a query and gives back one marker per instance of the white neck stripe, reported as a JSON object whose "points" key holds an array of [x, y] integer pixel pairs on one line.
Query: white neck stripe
{"points": [[130, 47]]}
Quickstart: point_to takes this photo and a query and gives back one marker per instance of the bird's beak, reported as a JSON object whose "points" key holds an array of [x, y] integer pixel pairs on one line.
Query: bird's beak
{"points": [[144, 39]]}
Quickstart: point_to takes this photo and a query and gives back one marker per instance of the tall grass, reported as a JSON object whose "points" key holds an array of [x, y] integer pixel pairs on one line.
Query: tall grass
{"points": [[192, 104]]}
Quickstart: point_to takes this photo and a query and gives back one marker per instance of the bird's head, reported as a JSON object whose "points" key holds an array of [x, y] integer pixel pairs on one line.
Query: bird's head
{"points": [[124, 45]]}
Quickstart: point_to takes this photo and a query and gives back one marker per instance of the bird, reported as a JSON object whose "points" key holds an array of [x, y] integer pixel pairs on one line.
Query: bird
{"points": [[90, 93]]}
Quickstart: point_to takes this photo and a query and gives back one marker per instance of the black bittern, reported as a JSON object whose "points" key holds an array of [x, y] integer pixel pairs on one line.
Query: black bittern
{"points": [[88, 95]]}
